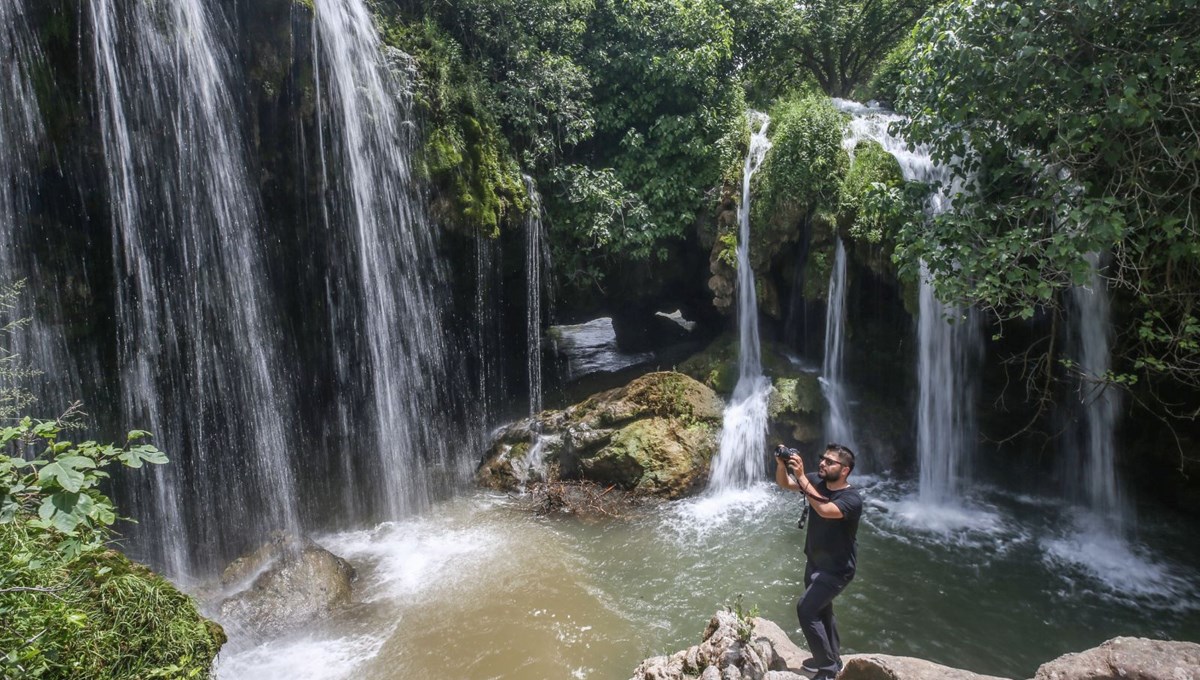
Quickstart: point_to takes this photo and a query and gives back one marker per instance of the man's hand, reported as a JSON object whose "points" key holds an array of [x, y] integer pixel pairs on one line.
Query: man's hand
{"points": [[795, 465]]}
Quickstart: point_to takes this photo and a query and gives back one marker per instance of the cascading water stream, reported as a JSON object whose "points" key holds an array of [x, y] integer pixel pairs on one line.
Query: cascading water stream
{"points": [[396, 344], [837, 420], [948, 339], [198, 333], [739, 462], [1092, 450], [536, 259]]}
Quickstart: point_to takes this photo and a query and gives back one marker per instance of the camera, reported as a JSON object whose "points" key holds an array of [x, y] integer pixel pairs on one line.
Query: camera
{"points": [[782, 451]]}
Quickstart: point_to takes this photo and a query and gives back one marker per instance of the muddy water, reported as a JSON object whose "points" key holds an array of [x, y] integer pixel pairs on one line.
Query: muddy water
{"points": [[479, 589]]}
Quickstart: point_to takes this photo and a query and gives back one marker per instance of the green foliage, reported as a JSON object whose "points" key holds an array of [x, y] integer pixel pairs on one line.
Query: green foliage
{"points": [[803, 169], [1076, 123], [14, 398], [834, 45], [745, 619], [888, 76], [72, 608], [728, 254], [93, 615], [599, 211], [466, 155], [53, 486], [874, 201], [528, 51], [69, 607]]}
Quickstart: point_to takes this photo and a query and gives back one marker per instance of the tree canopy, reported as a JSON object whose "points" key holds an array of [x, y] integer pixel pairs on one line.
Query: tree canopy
{"points": [[1074, 128]]}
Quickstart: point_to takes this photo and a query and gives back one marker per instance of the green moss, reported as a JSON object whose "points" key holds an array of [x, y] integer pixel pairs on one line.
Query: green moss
{"points": [[100, 615], [715, 365], [465, 154]]}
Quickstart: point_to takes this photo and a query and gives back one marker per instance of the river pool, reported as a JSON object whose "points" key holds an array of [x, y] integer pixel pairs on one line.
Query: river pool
{"points": [[480, 589]]}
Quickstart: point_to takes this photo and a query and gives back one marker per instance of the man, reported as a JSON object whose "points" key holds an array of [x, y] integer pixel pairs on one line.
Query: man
{"points": [[830, 546]]}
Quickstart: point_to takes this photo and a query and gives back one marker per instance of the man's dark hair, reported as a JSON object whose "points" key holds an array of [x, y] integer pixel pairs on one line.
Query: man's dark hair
{"points": [[843, 453]]}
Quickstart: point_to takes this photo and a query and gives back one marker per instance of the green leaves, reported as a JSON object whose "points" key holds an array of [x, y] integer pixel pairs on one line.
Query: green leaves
{"points": [[58, 493], [64, 475]]}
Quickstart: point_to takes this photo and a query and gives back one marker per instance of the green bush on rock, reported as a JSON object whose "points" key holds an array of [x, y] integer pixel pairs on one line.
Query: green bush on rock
{"points": [[802, 172], [70, 607]]}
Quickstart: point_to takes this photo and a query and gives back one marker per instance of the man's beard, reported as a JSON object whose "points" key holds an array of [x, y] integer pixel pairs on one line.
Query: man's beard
{"points": [[829, 475]]}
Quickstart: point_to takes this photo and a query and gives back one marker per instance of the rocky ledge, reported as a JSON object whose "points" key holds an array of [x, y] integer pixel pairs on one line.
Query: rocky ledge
{"points": [[741, 648]]}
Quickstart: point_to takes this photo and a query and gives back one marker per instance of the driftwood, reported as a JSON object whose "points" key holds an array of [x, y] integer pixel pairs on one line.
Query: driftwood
{"points": [[581, 498]]}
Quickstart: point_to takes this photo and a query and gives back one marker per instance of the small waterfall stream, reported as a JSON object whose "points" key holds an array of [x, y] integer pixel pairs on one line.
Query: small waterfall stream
{"points": [[739, 460], [948, 338], [837, 420], [41, 344], [396, 345], [1092, 454], [537, 260]]}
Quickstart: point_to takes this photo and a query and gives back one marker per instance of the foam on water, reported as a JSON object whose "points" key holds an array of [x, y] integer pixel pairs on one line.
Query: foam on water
{"points": [[303, 658], [969, 524], [1123, 570], [409, 558], [701, 515]]}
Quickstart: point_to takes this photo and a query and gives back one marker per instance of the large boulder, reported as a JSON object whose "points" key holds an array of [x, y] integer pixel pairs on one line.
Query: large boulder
{"points": [[888, 667], [286, 583], [1127, 658], [656, 435]]}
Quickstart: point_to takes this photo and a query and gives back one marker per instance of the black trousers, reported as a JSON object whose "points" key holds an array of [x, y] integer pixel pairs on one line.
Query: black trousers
{"points": [[815, 611]]}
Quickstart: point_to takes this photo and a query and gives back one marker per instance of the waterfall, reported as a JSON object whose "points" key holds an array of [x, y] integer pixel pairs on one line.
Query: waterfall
{"points": [[20, 130], [837, 420], [739, 460], [536, 258], [394, 348], [198, 335], [945, 412], [41, 344], [948, 338], [1092, 450]]}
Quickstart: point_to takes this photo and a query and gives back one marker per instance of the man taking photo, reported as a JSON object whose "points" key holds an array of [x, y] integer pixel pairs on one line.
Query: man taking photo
{"points": [[830, 546]]}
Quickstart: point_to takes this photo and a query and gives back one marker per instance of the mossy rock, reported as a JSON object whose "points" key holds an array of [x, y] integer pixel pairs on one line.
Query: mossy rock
{"points": [[655, 435], [657, 456], [101, 616], [716, 365], [796, 409], [664, 393]]}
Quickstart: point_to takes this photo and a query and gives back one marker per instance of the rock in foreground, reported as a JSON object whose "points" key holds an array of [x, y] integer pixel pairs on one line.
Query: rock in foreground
{"points": [[1127, 658], [736, 648], [655, 436], [291, 581]]}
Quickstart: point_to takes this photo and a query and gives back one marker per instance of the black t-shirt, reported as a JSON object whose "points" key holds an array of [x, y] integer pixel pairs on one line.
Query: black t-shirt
{"points": [[831, 545]]}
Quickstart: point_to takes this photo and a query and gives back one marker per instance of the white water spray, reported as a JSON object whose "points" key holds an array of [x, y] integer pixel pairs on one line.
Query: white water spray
{"points": [[739, 462], [369, 136], [199, 337], [1092, 450]]}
